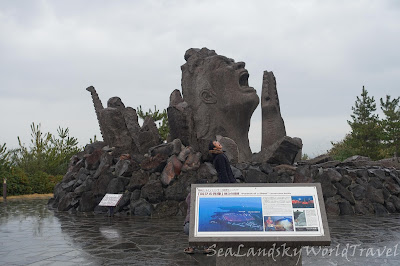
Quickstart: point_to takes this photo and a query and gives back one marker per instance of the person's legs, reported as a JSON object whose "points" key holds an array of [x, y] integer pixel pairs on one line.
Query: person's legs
{"points": [[186, 228]]}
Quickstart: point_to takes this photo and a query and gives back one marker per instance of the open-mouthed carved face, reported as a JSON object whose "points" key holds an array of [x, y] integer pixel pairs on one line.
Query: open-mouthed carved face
{"points": [[229, 84]]}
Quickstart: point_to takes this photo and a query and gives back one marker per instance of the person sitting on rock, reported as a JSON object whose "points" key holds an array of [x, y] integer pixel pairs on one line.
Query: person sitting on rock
{"points": [[221, 163]]}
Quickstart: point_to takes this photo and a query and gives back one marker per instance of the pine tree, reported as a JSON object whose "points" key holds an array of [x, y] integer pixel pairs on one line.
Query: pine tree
{"points": [[365, 137], [391, 125]]}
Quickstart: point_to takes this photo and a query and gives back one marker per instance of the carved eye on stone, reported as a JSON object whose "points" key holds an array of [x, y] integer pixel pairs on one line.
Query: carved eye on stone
{"points": [[208, 97]]}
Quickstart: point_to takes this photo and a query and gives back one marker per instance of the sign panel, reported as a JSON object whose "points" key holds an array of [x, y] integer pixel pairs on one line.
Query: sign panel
{"points": [[258, 212], [110, 200]]}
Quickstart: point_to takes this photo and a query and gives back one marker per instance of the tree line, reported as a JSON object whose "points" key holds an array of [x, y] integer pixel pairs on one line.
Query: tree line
{"points": [[39, 166], [370, 135]]}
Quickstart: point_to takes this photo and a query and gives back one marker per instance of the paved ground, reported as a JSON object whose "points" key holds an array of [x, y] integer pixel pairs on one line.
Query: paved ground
{"points": [[30, 234]]}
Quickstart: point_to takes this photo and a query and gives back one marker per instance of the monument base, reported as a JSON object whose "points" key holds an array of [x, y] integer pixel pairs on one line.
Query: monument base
{"points": [[274, 254]]}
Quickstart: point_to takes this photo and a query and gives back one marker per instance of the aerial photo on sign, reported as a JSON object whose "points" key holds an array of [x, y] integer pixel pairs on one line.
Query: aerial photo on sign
{"points": [[230, 214]]}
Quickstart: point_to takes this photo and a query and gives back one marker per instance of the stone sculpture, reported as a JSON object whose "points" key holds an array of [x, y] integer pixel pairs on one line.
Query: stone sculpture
{"points": [[217, 91], [120, 128], [273, 127]]}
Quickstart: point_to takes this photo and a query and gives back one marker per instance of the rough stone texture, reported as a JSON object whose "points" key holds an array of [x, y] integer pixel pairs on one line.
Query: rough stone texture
{"points": [[138, 180], [380, 209], [328, 189], [87, 202], [390, 207], [166, 209], [273, 127], [101, 184], [135, 195], [116, 134], [392, 188], [132, 124], [206, 170], [333, 175], [396, 202], [153, 192], [346, 181], [363, 207], [254, 176], [155, 163], [168, 149], [117, 185], [124, 202], [106, 162], [68, 201], [230, 148], [84, 187], [375, 195], [217, 90], [124, 168], [346, 208], [148, 135], [192, 162], [266, 168], [92, 161], [346, 194], [98, 106], [141, 207], [237, 173], [332, 206], [319, 159], [185, 153], [180, 119], [358, 191], [172, 169], [283, 151], [181, 187]]}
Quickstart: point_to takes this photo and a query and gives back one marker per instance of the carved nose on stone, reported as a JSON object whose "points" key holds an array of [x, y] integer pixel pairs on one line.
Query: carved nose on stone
{"points": [[240, 65]]}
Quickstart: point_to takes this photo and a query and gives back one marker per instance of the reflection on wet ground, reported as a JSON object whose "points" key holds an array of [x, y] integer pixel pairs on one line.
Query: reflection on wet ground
{"points": [[30, 234]]}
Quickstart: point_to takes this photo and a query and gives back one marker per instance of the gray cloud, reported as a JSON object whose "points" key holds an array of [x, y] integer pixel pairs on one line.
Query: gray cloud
{"points": [[322, 53]]}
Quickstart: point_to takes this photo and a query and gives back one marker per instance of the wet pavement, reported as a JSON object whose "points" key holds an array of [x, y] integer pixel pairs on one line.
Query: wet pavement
{"points": [[30, 234]]}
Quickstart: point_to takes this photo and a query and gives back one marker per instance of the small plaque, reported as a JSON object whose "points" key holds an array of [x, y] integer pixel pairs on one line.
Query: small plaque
{"points": [[110, 200]]}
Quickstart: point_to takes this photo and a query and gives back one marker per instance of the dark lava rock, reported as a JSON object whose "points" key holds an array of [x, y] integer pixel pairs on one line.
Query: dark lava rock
{"points": [[166, 209], [345, 193], [254, 176], [358, 191], [68, 201], [380, 210], [332, 206], [155, 163], [138, 180], [117, 185], [92, 161], [346, 208], [101, 184], [87, 202], [153, 192], [375, 195], [141, 207]]}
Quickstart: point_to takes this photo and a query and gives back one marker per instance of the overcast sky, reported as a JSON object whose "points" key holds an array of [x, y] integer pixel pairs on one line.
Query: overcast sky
{"points": [[321, 52]]}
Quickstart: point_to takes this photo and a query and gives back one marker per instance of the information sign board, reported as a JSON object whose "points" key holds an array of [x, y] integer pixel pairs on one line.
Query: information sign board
{"points": [[258, 212], [110, 200]]}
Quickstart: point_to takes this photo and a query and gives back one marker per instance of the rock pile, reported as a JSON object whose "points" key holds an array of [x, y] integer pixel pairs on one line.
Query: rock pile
{"points": [[157, 184]]}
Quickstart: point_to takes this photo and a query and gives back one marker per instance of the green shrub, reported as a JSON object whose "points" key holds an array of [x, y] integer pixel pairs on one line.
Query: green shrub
{"points": [[17, 183]]}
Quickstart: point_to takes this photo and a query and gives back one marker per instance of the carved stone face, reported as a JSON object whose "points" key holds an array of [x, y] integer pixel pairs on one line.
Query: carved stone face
{"points": [[217, 90], [230, 89]]}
